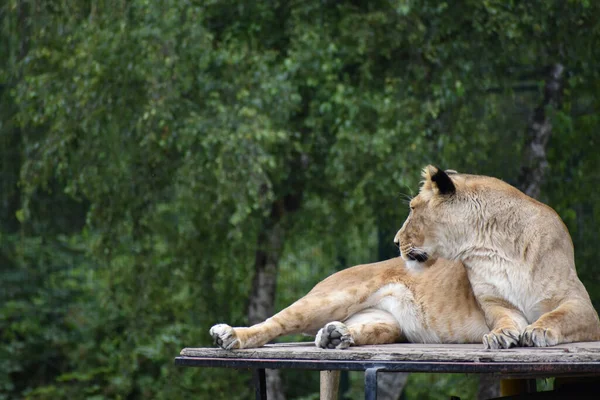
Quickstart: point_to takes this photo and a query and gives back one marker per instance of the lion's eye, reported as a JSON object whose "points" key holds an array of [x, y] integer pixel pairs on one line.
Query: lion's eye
{"points": [[412, 208]]}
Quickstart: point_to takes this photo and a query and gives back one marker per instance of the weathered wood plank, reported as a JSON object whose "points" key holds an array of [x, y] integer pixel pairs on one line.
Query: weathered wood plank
{"points": [[573, 352]]}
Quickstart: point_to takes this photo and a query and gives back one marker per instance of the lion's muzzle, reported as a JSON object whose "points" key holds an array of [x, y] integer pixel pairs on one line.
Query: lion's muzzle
{"points": [[417, 255]]}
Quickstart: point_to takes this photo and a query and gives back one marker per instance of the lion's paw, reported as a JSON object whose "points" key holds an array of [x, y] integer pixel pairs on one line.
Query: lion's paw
{"points": [[225, 337], [334, 335], [501, 339], [538, 337]]}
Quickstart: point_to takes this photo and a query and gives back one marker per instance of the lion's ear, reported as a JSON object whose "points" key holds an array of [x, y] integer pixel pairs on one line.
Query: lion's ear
{"points": [[438, 180]]}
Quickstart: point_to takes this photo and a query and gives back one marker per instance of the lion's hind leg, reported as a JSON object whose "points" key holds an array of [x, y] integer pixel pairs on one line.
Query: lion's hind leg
{"points": [[342, 296], [370, 326], [306, 315]]}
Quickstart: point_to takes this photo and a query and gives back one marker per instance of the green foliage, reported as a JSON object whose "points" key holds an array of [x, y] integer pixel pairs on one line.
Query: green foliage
{"points": [[436, 386], [144, 144]]}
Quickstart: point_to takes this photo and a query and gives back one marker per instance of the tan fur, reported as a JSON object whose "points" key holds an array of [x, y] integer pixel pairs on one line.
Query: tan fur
{"points": [[375, 304], [518, 254]]}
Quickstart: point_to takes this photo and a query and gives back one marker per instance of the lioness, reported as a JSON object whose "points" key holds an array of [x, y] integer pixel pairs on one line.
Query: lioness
{"points": [[376, 303], [517, 252]]}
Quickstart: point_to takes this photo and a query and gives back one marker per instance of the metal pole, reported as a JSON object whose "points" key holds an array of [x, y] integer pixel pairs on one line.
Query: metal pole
{"points": [[260, 383], [371, 383]]}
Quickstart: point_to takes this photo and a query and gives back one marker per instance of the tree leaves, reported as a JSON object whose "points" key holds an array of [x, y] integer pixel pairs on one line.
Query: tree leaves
{"points": [[158, 135]]}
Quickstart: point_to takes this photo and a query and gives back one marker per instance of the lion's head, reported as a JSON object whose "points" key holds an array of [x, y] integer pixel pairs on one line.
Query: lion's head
{"points": [[443, 216]]}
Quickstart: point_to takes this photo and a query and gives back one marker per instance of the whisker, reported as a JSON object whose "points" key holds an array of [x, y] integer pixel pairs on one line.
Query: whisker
{"points": [[406, 194], [405, 198]]}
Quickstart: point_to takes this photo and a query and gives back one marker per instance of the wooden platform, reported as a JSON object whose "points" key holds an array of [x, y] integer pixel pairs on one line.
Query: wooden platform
{"points": [[575, 359]]}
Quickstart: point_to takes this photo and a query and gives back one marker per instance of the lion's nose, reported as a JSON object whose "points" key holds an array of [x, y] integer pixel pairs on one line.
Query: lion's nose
{"points": [[397, 239]]}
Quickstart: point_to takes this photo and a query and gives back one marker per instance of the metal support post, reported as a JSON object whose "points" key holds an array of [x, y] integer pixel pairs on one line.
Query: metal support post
{"points": [[371, 383], [260, 383]]}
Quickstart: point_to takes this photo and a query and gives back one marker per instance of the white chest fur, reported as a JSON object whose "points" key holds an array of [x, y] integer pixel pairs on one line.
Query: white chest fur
{"points": [[505, 280], [399, 301]]}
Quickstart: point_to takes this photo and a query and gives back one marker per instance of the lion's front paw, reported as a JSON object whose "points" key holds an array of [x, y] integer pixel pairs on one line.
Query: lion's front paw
{"points": [[225, 337], [334, 335], [501, 339], [539, 337]]}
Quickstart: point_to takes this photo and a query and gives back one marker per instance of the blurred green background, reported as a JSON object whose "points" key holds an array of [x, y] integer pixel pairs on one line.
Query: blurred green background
{"points": [[154, 152]]}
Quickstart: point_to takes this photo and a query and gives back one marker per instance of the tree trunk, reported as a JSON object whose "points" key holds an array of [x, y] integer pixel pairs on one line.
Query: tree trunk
{"points": [[270, 244], [262, 299], [268, 252], [390, 385], [539, 129], [489, 387]]}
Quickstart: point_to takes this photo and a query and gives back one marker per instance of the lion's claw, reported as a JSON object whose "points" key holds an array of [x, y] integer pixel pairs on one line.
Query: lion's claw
{"points": [[501, 339], [538, 337]]}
